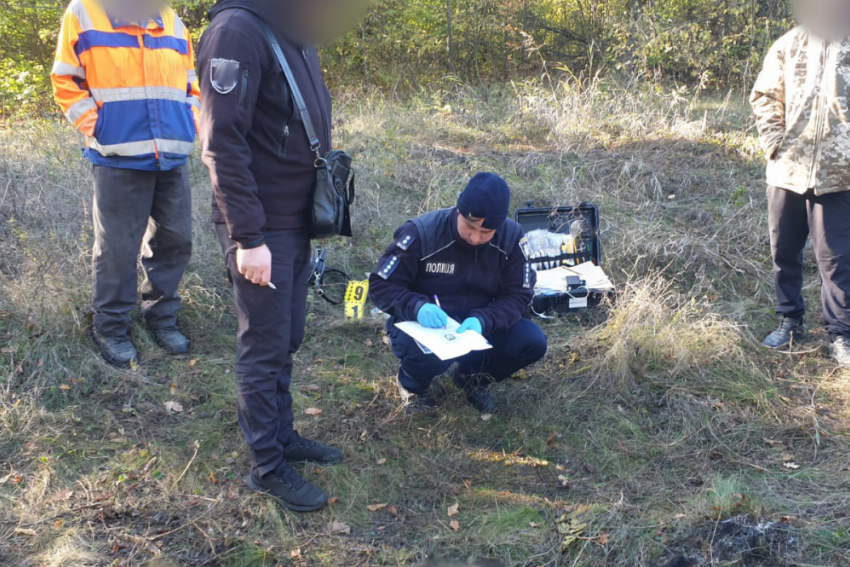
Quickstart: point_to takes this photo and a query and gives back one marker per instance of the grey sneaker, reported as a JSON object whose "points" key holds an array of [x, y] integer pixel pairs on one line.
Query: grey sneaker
{"points": [[172, 340], [290, 489], [117, 351], [789, 330], [840, 349]]}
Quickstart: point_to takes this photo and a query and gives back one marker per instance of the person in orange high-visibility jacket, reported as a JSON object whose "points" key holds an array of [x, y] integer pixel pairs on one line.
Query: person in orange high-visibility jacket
{"points": [[124, 76]]}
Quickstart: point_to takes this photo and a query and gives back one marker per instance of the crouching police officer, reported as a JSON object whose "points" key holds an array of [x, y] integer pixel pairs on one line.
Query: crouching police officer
{"points": [[467, 258]]}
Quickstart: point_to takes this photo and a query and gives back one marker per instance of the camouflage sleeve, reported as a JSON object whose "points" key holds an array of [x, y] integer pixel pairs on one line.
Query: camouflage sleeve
{"points": [[768, 101]]}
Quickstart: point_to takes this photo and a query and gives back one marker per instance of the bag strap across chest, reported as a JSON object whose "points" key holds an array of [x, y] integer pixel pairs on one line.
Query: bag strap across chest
{"points": [[300, 104]]}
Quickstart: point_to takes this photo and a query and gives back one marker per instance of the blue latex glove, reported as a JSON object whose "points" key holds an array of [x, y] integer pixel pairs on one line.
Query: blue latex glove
{"points": [[432, 316], [471, 324]]}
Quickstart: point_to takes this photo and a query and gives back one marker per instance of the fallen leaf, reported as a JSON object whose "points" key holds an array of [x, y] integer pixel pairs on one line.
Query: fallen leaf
{"points": [[678, 516], [338, 528], [486, 416], [173, 407], [368, 343], [589, 468], [386, 339], [787, 457], [26, 531], [533, 525], [381, 461], [332, 501], [393, 511], [376, 507], [565, 482], [364, 435], [313, 411], [60, 496], [295, 553], [193, 362], [453, 510], [64, 387], [314, 387], [7, 350], [58, 524], [174, 389], [602, 539], [792, 466], [454, 525]]}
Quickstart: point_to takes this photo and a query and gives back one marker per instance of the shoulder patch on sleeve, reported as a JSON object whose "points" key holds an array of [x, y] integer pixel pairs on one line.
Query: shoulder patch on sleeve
{"points": [[526, 278], [389, 267], [405, 241], [224, 75]]}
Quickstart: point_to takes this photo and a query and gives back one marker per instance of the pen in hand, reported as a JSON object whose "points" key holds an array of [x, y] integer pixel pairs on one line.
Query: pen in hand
{"points": [[437, 301]]}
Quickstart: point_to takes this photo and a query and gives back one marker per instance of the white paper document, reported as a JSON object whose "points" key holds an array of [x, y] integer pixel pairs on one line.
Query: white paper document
{"points": [[556, 279], [446, 343], [596, 278]]}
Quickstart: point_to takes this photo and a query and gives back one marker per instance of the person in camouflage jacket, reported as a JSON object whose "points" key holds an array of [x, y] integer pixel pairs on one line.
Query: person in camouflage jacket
{"points": [[800, 101]]}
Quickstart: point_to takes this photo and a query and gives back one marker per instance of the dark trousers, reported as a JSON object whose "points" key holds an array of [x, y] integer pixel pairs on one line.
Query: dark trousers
{"points": [[520, 346], [151, 210], [271, 329], [793, 219]]}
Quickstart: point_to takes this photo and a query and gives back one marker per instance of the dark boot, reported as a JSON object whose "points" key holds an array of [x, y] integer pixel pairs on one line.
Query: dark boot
{"points": [[290, 489], [303, 449], [117, 351], [840, 349], [789, 330], [414, 403], [480, 398], [172, 340]]}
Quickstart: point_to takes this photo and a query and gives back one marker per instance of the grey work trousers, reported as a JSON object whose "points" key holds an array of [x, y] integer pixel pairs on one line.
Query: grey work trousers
{"points": [[793, 219], [151, 210]]}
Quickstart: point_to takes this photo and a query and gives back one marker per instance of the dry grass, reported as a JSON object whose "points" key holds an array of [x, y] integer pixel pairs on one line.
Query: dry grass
{"points": [[653, 421]]}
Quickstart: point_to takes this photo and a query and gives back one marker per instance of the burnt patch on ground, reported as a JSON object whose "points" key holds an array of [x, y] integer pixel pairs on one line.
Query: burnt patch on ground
{"points": [[741, 541]]}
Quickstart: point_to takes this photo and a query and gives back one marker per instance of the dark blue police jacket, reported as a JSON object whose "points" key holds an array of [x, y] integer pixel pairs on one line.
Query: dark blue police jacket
{"points": [[493, 282]]}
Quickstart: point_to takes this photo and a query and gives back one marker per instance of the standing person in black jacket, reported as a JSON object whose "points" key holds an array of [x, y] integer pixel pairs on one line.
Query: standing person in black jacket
{"points": [[262, 169], [466, 263]]}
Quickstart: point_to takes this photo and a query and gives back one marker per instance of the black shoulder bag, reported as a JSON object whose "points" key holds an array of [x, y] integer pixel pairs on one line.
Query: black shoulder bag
{"points": [[333, 194]]}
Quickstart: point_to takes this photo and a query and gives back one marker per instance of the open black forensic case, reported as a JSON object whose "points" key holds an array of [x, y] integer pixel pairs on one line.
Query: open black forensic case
{"points": [[562, 220]]}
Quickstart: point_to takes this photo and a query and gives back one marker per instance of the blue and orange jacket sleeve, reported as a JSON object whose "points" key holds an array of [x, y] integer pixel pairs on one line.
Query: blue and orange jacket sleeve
{"points": [[193, 90], [69, 79]]}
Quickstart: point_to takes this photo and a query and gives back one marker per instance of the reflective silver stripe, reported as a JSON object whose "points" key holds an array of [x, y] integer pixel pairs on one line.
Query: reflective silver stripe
{"points": [[144, 148], [65, 70], [191, 76], [138, 93], [175, 146], [194, 101], [79, 10], [179, 28], [79, 109]]}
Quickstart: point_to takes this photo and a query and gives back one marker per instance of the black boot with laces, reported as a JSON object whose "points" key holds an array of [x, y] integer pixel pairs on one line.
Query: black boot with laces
{"points": [[303, 449], [290, 489]]}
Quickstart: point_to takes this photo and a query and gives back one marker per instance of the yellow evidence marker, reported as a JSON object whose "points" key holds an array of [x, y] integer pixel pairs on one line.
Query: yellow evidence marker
{"points": [[355, 299]]}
